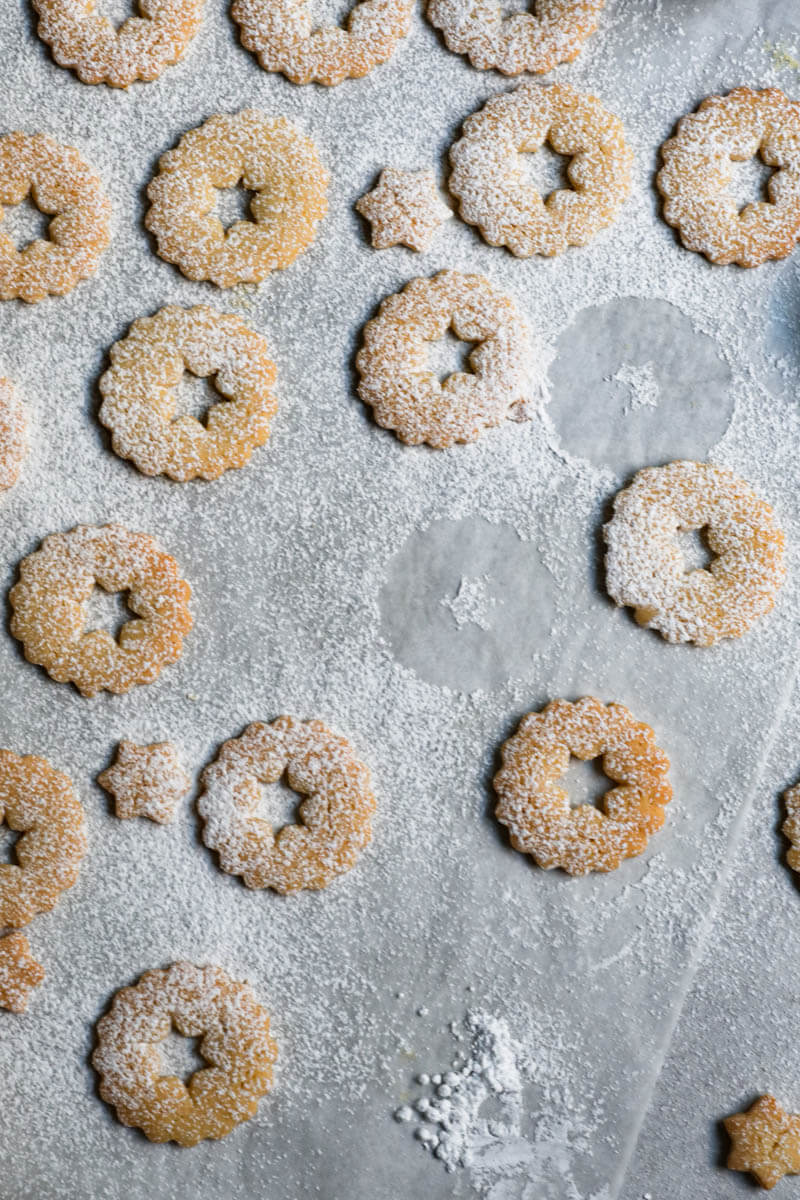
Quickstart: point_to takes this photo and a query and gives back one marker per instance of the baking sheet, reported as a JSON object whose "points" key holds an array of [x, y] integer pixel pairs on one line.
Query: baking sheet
{"points": [[326, 577]]}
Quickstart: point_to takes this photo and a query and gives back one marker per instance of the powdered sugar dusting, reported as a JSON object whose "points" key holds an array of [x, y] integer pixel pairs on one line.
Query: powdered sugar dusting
{"points": [[287, 561], [474, 1116], [641, 384]]}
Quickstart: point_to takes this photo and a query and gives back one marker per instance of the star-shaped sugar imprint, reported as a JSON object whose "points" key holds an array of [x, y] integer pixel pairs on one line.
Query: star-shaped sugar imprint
{"points": [[765, 1141], [405, 209], [19, 972], [146, 781]]}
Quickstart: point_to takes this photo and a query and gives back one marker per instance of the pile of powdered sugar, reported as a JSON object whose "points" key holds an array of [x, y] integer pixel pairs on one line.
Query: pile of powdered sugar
{"points": [[289, 560]]}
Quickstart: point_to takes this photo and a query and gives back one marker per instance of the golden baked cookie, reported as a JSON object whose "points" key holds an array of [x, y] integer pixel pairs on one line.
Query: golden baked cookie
{"points": [[645, 566], [39, 803], [55, 584], [525, 41], [270, 157], [62, 183], [146, 781], [791, 826], [698, 166], [334, 817], [284, 36], [13, 442], [405, 209], [537, 812], [196, 1002], [765, 1141], [139, 398], [82, 38], [19, 972], [407, 397], [488, 180]]}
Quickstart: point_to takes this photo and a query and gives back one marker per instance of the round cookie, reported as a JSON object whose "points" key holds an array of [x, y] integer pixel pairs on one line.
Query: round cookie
{"points": [[19, 972], [236, 1043], [139, 398], [141, 48], [61, 183], [698, 166], [537, 812], [40, 803], [49, 608], [283, 35], [488, 181], [335, 815], [271, 158], [524, 41], [407, 397], [645, 567]]}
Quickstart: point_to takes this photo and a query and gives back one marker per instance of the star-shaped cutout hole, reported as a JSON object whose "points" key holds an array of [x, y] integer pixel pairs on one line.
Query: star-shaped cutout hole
{"points": [[405, 209], [19, 972], [146, 781], [765, 1141]]}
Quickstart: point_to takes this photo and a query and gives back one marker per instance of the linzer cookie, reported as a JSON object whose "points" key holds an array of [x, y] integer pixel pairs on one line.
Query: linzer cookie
{"points": [[646, 569], [487, 176], [38, 802], [334, 817], [50, 608], [269, 157], [698, 167], [82, 38], [523, 41], [139, 398], [537, 811], [284, 35], [64, 185], [198, 1002], [405, 394], [19, 972]]}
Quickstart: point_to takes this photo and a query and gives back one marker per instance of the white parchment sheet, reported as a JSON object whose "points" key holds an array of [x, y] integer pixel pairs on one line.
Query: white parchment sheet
{"points": [[420, 603]]}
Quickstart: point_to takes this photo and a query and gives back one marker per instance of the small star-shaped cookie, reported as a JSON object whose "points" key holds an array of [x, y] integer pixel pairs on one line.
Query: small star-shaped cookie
{"points": [[146, 781], [406, 208], [19, 972], [765, 1141]]}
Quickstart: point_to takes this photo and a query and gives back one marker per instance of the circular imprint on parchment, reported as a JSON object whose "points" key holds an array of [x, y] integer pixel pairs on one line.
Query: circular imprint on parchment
{"points": [[645, 388], [466, 603]]}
